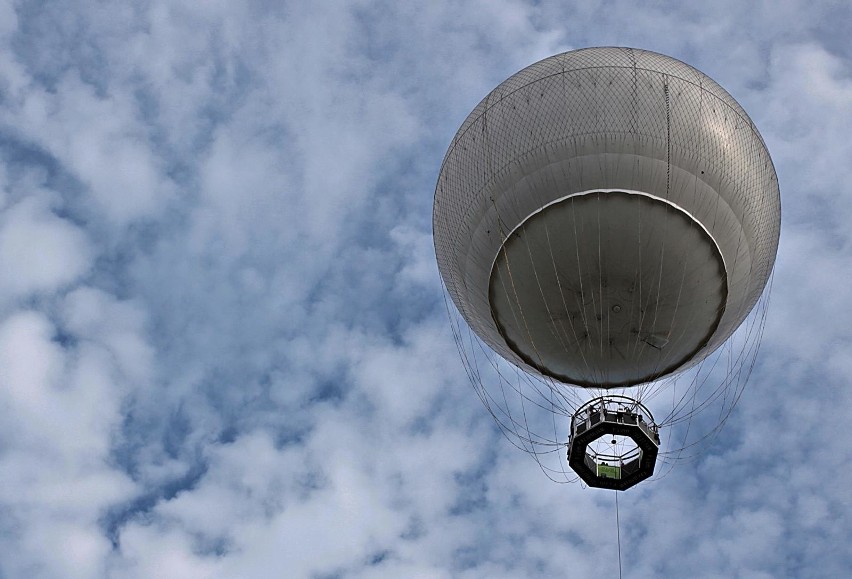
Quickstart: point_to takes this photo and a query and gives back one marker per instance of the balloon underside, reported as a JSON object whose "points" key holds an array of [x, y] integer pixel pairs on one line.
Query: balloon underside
{"points": [[608, 289]]}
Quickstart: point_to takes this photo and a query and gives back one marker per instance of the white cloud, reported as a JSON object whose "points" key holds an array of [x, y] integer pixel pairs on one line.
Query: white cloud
{"points": [[59, 413], [39, 252], [119, 327]]}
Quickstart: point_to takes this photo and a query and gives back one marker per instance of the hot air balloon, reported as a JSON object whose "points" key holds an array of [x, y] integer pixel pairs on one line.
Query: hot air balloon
{"points": [[605, 220]]}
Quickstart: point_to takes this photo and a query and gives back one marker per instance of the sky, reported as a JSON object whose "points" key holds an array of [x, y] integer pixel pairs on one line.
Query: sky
{"points": [[224, 348]]}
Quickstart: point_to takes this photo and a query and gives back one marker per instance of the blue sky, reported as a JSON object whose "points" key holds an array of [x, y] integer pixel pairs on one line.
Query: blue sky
{"points": [[224, 350]]}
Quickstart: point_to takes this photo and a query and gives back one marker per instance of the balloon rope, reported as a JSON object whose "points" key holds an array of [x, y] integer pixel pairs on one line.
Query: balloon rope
{"points": [[618, 533]]}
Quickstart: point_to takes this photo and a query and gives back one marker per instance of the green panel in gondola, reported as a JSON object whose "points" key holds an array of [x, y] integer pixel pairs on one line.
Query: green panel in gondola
{"points": [[609, 471]]}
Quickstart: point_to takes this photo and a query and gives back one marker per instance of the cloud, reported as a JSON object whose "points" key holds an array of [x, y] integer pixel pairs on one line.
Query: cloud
{"points": [[59, 412], [39, 251], [100, 141]]}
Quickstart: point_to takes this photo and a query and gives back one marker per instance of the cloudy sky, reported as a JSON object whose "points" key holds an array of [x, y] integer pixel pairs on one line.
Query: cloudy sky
{"points": [[224, 350]]}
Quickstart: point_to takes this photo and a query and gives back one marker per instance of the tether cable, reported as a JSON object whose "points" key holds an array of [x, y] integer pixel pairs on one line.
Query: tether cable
{"points": [[618, 533]]}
